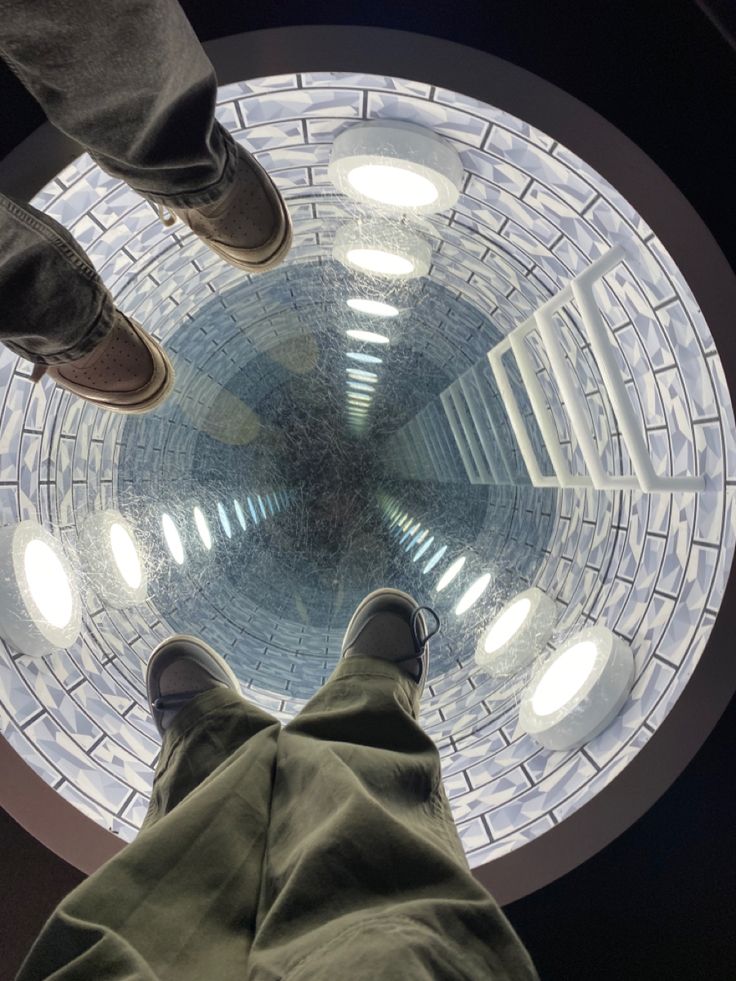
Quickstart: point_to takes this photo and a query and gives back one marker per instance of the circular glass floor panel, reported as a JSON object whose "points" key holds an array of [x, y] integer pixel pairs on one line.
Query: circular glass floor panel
{"points": [[301, 463]]}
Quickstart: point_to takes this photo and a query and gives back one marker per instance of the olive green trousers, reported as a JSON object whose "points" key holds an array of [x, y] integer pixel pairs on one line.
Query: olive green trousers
{"points": [[320, 851]]}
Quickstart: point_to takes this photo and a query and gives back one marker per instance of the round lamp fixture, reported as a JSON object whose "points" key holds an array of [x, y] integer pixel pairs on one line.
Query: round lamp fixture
{"points": [[374, 308], [111, 558], [367, 336], [239, 513], [365, 358], [397, 165], [365, 376], [203, 528], [381, 248], [40, 609], [172, 538], [473, 593], [578, 692], [449, 574], [517, 634]]}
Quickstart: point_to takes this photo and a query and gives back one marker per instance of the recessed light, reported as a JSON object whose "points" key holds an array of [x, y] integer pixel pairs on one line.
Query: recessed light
{"points": [[358, 397], [368, 376], [517, 634], [473, 593], [239, 514], [365, 358], [397, 165], [203, 528], [374, 308], [360, 386], [40, 608], [172, 538], [367, 336], [110, 555], [578, 692], [382, 248], [450, 574]]}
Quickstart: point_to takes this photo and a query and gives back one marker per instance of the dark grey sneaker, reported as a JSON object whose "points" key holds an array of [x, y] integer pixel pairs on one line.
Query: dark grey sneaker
{"points": [[179, 669], [250, 226], [390, 624]]}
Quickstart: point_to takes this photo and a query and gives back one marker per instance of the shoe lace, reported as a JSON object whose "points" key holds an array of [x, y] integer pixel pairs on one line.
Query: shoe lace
{"points": [[164, 702], [420, 640], [167, 219]]}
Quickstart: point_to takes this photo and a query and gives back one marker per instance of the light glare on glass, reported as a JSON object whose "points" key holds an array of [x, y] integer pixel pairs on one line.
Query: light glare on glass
{"points": [[374, 308], [507, 625], [473, 593], [126, 555], [393, 185], [48, 583], [447, 577], [565, 677], [360, 386], [172, 538]]}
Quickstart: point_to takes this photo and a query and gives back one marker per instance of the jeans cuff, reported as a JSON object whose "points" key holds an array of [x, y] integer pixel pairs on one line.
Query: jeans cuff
{"points": [[101, 326], [225, 146]]}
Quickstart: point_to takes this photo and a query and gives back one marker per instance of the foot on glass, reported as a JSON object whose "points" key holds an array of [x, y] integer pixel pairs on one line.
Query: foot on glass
{"points": [[249, 226], [128, 371], [179, 669], [391, 625]]}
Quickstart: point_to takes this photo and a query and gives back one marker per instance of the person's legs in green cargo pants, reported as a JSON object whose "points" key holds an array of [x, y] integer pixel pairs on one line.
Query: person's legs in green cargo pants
{"points": [[321, 850]]}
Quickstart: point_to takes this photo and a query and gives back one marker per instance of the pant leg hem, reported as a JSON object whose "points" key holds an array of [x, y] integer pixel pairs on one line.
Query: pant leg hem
{"points": [[196, 712], [226, 145], [361, 665], [100, 328]]}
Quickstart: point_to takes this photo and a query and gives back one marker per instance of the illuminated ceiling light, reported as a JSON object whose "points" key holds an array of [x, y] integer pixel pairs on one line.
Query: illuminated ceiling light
{"points": [[518, 633], [422, 549], [239, 514], [382, 248], [40, 609], [365, 358], [172, 538], [270, 504], [397, 165], [224, 520], [409, 533], [578, 692], [252, 511], [366, 376], [360, 386], [358, 397], [203, 528], [367, 336], [108, 548], [417, 540], [374, 308], [260, 505], [473, 593], [449, 574]]}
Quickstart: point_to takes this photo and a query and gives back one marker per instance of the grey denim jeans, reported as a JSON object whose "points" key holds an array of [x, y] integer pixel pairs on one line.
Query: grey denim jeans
{"points": [[129, 81]]}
